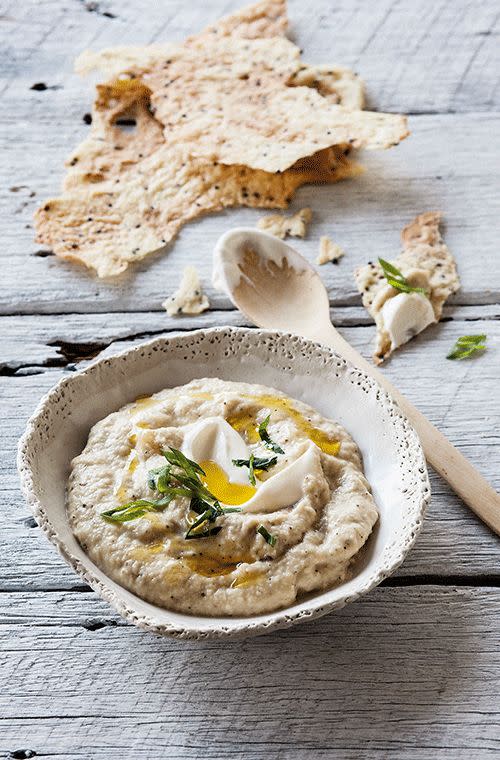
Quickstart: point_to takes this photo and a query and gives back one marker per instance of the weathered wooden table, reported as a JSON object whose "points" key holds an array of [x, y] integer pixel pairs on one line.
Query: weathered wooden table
{"points": [[412, 670]]}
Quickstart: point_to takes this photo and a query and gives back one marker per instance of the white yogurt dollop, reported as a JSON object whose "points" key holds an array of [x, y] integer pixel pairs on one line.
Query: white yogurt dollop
{"points": [[215, 440], [406, 315]]}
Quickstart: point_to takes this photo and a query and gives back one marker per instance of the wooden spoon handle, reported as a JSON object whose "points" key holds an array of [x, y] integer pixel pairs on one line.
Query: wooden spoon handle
{"points": [[458, 472]]}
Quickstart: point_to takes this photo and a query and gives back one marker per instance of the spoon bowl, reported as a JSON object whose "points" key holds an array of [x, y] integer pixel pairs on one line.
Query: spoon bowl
{"points": [[272, 284]]}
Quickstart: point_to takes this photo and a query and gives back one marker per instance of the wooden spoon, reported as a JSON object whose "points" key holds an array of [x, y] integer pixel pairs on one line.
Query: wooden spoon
{"points": [[277, 289]]}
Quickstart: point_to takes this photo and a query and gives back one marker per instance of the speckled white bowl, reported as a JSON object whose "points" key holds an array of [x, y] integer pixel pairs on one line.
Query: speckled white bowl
{"points": [[393, 458]]}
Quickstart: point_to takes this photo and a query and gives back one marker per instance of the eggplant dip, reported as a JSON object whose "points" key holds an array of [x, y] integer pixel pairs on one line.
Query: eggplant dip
{"points": [[220, 498]]}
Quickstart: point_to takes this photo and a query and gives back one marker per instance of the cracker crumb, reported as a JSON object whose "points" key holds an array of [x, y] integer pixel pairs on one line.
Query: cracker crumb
{"points": [[328, 251], [189, 298], [280, 226]]}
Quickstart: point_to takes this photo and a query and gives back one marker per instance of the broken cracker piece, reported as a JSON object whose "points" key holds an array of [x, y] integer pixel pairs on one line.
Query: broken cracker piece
{"points": [[426, 263], [336, 84], [189, 298], [280, 226], [234, 103], [110, 150], [328, 251], [109, 225], [264, 19]]}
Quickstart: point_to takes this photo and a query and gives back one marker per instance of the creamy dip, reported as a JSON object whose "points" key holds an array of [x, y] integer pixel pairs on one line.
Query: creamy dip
{"points": [[278, 531]]}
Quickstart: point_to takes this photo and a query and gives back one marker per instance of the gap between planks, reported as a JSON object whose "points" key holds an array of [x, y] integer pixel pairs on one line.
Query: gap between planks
{"points": [[39, 343]]}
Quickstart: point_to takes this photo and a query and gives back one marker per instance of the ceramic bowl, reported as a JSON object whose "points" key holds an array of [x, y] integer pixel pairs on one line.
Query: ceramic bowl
{"points": [[393, 458]]}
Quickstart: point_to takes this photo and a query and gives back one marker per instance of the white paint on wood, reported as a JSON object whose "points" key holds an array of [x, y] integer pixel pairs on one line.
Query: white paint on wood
{"points": [[411, 671], [405, 672], [36, 340]]}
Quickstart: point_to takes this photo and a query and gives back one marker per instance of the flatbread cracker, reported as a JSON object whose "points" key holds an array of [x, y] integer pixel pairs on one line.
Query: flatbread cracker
{"points": [[265, 19], [123, 220], [425, 262], [114, 213], [125, 60], [127, 194], [298, 123], [240, 103], [110, 150], [189, 297], [233, 102]]}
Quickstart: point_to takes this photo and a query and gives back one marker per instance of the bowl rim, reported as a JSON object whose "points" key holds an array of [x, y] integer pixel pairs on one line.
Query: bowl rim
{"points": [[237, 627]]}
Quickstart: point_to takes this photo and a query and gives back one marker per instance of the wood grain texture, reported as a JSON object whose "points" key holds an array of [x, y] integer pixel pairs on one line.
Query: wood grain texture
{"points": [[380, 678], [365, 216], [416, 57], [413, 669], [51, 340]]}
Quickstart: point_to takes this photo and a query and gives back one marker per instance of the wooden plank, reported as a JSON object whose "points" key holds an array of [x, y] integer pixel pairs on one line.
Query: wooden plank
{"points": [[48, 340], [463, 404], [410, 672], [364, 215], [394, 46]]}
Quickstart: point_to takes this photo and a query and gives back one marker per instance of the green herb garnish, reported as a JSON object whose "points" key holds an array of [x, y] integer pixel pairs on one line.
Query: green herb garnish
{"points": [[134, 509], [395, 278], [271, 540], [266, 440], [180, 477], [255, 463], [202, 527], [466, 346], [177, 458], [251, 472]]}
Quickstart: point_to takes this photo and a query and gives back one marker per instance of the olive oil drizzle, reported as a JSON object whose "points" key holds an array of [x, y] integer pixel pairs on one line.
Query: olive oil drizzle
{"points": [[218, 483], [246, 424], [122, 490]]}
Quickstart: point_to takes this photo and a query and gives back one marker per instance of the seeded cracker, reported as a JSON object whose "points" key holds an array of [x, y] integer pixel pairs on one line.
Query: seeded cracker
{"points": [[425, 262], [242, 110], [115, 212], [127, 194], [109, 150], [265, 19], [337, 84]]}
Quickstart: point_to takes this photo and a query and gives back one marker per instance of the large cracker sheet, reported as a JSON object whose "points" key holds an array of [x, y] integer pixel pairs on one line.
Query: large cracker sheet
{"points": [[127, 194], [121, 205]]}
